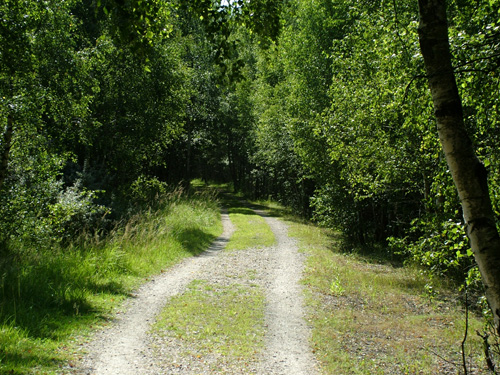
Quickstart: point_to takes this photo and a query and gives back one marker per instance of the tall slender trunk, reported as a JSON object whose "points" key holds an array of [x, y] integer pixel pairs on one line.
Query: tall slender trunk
{"points": [[7, 143], [188, 161], [469, 174], [232, 162]]}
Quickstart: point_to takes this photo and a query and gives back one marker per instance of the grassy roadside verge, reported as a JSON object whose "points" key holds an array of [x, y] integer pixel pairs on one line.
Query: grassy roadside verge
{"points": [[49, 297], [372, 317]]}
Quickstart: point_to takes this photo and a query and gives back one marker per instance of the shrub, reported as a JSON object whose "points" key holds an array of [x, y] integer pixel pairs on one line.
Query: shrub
{"points": [[75, 211], [440, 247], [146, 189]]}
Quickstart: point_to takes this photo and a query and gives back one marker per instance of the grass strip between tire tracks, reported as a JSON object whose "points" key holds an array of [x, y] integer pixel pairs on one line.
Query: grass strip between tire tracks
{"points": [[222, 322], [227, 320]]}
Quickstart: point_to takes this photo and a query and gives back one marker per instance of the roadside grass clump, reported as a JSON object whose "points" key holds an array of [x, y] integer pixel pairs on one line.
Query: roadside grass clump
{"points": [[51, 297], [251, 229], [224, 321], [373, 317]]}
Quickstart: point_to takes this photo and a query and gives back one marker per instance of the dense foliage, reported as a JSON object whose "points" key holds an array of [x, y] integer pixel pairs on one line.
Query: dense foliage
{"points": [[345, 117], [321, 105]]}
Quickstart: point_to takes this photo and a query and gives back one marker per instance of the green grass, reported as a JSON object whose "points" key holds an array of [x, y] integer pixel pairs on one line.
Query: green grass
{"points": [[52, 297], [225, 320], [251, 229], [373, 318], [370, 316]]}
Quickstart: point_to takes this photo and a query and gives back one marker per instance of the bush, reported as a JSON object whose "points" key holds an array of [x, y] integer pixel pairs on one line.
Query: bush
{"points": [[146, 189], [74, 211], [440, 247], [36, 209]]}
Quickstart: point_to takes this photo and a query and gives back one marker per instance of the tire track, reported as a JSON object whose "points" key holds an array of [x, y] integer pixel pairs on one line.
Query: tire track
{"points": [[122, 349], [287, 339], [126, 347]]}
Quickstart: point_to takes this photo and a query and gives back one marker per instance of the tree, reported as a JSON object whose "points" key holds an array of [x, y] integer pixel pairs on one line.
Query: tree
{"points": [[16, 62], [469, 174], [43, 103]]}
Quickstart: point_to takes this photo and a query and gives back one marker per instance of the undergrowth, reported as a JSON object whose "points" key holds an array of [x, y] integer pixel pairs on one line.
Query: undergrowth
{"points": [[51, 295]]}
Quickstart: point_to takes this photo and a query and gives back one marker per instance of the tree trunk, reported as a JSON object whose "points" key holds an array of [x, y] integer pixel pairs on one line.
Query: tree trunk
{"points": [[469, 174], [7, 142], [188, 161]]}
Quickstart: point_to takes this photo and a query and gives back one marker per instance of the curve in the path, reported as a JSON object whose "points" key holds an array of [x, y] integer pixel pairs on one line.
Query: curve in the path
{"points": [[120, 350], [123, 348]]}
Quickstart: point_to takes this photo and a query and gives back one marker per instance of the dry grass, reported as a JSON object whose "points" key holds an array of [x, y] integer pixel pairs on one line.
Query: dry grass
{"points": [[374, 318]]}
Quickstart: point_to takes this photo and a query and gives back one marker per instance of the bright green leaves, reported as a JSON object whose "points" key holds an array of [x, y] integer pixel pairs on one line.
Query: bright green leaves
{"points": [[140, 23], [368, 155], [263, 18], [442, 247]]}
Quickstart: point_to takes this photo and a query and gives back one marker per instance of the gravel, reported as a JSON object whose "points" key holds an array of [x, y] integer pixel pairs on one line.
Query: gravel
{"points": [[129, 347]]}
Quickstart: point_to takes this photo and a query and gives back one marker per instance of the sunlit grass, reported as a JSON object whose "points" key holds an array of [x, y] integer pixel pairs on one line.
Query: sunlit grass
{"points": [[374, 318], [49, 296], [251, 230], [226, 320]]}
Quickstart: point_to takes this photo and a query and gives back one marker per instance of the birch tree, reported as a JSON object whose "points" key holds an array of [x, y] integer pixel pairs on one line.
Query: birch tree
{"points": [[469, 174]]}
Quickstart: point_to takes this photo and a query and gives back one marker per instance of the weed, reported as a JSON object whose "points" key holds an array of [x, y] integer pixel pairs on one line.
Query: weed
{"points": [[336, 287]]}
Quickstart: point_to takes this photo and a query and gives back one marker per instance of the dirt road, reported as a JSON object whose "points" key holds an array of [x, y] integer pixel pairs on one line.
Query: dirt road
{"points": [[128, 346]]}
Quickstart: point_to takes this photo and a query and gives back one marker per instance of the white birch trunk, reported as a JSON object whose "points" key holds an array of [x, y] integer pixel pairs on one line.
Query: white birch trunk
{"points": [[469, 174]]}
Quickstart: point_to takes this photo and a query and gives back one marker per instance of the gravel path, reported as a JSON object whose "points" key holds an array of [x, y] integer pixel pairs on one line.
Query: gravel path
{"points": [[287, 349], [129, 348]]}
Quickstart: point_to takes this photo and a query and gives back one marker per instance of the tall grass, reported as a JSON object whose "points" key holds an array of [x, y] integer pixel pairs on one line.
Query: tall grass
{"points": [[51, 294]]}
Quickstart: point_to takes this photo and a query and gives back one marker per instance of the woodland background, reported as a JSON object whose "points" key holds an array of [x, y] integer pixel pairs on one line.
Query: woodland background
{"points": [[320, 105]]}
